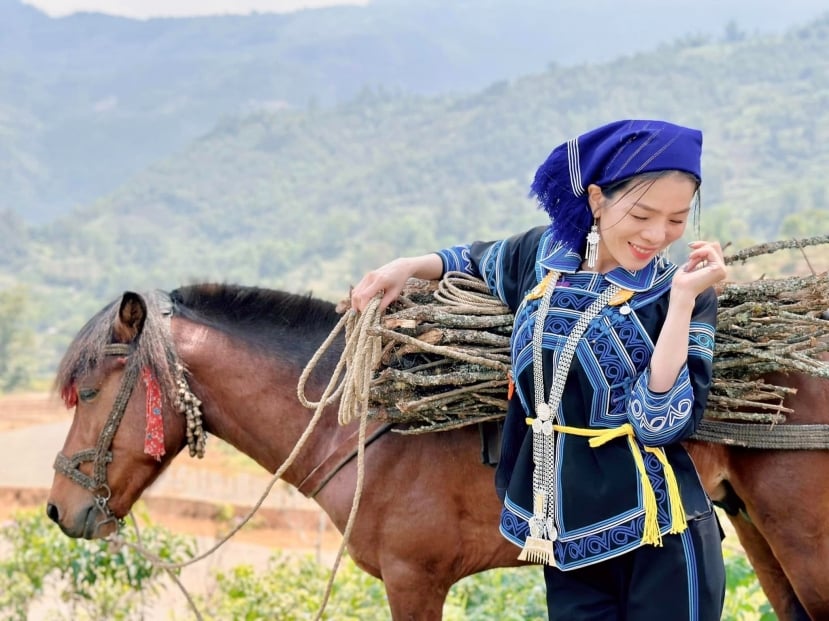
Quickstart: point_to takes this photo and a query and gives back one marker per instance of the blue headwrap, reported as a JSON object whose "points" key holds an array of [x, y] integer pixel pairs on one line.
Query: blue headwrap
{"points": [[605, 156]]}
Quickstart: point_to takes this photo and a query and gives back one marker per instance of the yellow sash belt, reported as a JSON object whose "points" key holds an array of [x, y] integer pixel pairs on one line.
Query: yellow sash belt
{"points": [[598, 437]]}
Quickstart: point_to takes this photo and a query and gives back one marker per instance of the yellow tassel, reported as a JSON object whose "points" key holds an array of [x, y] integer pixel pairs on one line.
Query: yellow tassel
{"points": [[678, 521], [650, 532]]}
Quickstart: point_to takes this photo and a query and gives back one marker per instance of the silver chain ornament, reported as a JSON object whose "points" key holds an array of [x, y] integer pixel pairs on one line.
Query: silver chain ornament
{"points": [[543, 531]]}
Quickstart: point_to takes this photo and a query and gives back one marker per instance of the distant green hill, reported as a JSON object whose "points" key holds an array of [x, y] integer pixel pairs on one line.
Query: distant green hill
{"points": [[88, 101], [312, 199]]}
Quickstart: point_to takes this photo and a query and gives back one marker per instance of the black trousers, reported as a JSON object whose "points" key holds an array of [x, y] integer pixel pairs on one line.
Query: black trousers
{"points": [[682, 580]]}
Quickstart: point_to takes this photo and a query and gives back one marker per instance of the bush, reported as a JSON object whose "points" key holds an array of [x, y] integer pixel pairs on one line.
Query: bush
{"points": [[291, 589], [97, 579], [744, 599]]}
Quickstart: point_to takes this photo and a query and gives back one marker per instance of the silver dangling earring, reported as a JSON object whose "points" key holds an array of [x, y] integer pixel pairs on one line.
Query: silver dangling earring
{"points": [[592, 252]]}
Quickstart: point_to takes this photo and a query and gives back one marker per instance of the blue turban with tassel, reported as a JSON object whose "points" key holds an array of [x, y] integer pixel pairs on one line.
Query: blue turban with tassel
{"points": [[606, 156]]}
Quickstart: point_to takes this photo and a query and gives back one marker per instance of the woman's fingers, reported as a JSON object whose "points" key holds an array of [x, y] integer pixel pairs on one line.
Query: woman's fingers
{"points": [[365, 290], [705, 268], [389, 280], [705, 254]]}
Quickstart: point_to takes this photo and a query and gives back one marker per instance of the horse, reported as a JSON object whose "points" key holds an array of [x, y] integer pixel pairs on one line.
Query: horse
{"points": [[429, 515], [778, 503]]}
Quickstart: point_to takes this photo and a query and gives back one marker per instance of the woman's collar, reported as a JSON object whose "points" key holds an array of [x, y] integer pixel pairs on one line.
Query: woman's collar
{"points": [[563, 259]]}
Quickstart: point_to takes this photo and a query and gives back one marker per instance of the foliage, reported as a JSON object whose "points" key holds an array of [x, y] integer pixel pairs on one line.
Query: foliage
{"points": [[291, 588], [100, 581], [96, 579], [744, 599], [16, 340], [504, 594]]}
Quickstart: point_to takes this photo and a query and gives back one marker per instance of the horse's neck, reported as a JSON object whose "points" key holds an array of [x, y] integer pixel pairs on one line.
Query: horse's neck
{"points": [[249, 400]]}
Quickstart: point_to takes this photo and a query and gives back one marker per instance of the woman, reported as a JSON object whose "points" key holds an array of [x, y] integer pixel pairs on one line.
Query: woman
{"points": [[612, 351]]}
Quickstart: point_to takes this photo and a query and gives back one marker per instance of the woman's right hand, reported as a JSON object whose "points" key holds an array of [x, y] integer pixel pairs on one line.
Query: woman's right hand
{"points": [[392, 277]]}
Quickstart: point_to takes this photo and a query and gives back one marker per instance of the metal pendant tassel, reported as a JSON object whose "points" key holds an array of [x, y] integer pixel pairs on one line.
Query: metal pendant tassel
{"points": [[536, 548], [592, 252]]}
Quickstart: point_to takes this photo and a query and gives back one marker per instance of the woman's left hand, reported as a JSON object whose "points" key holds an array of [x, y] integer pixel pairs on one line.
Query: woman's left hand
{"points": [[705, 268]]}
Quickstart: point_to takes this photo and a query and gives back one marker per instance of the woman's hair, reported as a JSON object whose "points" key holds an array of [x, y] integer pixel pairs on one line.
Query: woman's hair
{"points": [[648, 178]]}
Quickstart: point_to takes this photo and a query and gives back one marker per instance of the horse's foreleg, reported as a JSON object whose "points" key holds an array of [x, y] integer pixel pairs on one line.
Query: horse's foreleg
{"points": [[414, 594], [770, 574]]}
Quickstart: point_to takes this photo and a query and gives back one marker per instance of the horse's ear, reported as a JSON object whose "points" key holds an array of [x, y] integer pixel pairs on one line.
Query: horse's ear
{"points": [[131, 316]]}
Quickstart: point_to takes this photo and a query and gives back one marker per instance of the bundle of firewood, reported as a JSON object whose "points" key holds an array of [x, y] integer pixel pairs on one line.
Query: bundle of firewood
{"points": [[445, 348]]}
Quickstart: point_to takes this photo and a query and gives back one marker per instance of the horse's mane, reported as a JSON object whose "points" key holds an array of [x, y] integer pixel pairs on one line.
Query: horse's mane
{"points": [[264, 318]]}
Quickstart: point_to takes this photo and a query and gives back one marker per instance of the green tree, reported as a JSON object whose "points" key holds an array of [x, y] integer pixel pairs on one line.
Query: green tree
{"points": [[16, 340]]}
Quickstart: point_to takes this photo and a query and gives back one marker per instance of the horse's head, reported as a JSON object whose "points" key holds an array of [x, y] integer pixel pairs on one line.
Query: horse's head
{"points": [[122, 378]]}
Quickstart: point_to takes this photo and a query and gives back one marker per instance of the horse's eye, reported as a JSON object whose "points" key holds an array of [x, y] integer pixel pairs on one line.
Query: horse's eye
{"points": [[87, 394]]}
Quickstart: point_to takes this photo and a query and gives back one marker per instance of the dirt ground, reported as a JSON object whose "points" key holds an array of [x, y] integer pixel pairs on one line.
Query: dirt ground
{"points": [[203, 498]]}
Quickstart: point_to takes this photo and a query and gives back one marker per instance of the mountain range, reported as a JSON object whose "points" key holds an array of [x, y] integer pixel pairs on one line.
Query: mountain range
{"points": [[89, 100]]}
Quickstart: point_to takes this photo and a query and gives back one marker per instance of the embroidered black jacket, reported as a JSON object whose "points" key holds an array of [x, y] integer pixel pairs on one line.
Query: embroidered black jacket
{"points": [[599, 509]]}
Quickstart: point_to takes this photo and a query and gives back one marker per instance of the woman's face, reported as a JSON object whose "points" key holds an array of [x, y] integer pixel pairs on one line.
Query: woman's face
{"points": [[640, 219]]}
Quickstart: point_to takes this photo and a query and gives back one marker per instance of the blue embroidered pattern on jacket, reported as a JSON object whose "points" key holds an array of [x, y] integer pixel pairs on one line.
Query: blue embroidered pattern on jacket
{"points": [[613, 355], [660, 418], [701, 341], [456, 259], [582, 549], [490, 266]]}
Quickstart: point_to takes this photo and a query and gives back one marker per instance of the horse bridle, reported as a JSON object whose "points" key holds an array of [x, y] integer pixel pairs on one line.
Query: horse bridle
{"points": [[101, 455]]}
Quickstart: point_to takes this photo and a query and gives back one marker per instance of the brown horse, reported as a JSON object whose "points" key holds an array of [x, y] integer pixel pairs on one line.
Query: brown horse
{"points": [[778, 502], [429, 514]]}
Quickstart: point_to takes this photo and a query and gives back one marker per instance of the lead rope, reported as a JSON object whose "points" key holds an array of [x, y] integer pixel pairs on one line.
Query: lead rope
{"points": [[169, 567], [355, 387], [360, 356]]}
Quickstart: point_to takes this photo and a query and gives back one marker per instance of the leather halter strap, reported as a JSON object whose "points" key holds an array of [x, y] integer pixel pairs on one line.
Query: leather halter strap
{"points": [[319, 477], [100, 456]]}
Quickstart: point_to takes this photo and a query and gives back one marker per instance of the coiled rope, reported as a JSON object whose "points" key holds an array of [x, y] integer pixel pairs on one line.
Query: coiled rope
{"points": [[463, 293]]}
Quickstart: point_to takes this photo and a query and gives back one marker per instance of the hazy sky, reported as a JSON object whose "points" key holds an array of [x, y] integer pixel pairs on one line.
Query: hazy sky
{"points": [[158, 8]]}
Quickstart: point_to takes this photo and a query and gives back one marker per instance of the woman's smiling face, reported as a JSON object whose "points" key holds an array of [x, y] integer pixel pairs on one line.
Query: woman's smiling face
{"points": [[641, 218]]}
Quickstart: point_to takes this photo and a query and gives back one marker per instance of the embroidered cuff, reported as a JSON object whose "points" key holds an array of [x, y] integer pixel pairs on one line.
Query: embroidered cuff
{"points": [[661, 418], [456, 259]]}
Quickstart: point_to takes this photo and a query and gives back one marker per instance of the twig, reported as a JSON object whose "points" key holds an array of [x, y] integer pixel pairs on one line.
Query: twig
{"points": [[771, 247]]}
